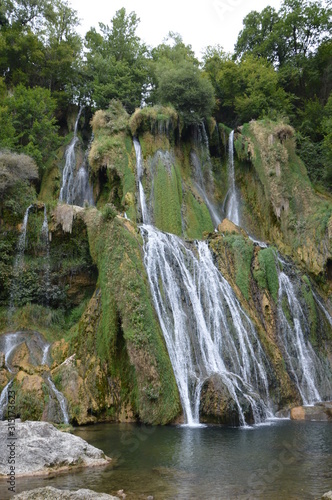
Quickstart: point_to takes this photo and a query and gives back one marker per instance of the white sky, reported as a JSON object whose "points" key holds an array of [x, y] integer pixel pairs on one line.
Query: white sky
{"points": [[214, 22]]}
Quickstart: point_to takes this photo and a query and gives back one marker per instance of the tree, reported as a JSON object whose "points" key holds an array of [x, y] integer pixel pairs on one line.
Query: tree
{"points": [[31, 125], [245, 89], [185, 88], [291, 34], [178, 80], [39, 45], [117, 62]]}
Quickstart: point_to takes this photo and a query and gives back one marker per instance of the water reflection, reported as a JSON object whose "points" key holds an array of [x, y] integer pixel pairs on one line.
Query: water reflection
{"points": [[284, 460]]}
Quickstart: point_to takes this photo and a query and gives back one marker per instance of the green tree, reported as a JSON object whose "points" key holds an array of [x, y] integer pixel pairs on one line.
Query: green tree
{"points": [[117, 62], [297, 29], [246, 89], [39, 46], [178, 81], [31, 125]]}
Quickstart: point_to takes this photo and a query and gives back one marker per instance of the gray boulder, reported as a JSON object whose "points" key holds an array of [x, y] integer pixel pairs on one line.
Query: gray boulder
{"points": [[39, 448], [50, 493]]}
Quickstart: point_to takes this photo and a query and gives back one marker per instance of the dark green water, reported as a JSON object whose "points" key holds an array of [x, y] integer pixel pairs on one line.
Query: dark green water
{"points": [[286, 460]]}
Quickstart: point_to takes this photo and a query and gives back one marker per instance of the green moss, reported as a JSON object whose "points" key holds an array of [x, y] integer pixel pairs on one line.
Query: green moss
{"points": [[28, 406], [127, 336], [157, 119], [242, 249], [167, 199], [267, 275], [112, 159], [311, 308], [198, 219]]}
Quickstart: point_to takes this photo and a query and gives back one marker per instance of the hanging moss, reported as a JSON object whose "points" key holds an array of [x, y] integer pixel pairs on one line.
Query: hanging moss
{"points": [[128, 337], [243, 252], [311, 308], [167, 199], [267, 275], [198, 219]]}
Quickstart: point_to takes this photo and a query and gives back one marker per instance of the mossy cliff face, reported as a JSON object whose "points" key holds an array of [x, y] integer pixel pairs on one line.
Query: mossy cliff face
{"points": [[174, 174], [112, 159], [279, 200], [253, 274], [120, 327]]}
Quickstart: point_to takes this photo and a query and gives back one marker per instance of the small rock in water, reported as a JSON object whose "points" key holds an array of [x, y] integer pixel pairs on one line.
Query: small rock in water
{"points": [[121, 493]]}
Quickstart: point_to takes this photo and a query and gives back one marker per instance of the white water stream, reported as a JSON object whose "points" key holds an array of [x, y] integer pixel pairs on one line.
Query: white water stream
{"points": [[62, 401], [206, 331], [233, 212]]}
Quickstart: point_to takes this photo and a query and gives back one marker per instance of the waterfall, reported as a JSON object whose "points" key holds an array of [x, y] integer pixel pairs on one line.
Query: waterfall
{"points": [[300, 357], [82, 190], [233, 205], [18, 263], [323, 308], [12, 340], [68, 174], [76, 188], [62, 401], [203, 325], [46, 349], [139, 168], [4, 399], [202, 321], [46, 243], [202, 143]]}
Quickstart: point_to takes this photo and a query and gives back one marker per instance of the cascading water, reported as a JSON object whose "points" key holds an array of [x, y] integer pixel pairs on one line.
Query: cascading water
{"points": [[68, 174], [18, 263], [139, 168], [46, 349], [62, 401], [46, 243], [233, 213], [203, 325], [4, 399], [76, 188], [202, 321], [82, 192], [300, 357], [202, 143]]}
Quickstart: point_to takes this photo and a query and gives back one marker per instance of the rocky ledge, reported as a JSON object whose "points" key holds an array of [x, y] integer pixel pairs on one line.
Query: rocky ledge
{"points": [[50, 493], [321, 412], [42, 449]]}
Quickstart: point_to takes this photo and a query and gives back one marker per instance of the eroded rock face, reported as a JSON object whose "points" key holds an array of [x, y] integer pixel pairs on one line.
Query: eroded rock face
{"points": [[217, 405], [41, 449], [50, 493]]}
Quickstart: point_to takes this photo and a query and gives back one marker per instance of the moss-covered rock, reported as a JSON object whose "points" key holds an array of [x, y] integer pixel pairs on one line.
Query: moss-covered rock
{"points": [[121, 327], [280, 202]]}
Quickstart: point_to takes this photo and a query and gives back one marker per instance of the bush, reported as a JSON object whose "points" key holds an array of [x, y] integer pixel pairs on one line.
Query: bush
{"points": [[14, 168]]}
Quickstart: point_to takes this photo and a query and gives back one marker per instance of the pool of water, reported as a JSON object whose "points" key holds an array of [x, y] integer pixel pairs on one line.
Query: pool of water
{"points": [[283, 460]]}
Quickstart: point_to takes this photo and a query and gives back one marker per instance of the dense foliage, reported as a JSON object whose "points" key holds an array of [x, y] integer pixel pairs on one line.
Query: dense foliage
{"points": [[281, 67]]}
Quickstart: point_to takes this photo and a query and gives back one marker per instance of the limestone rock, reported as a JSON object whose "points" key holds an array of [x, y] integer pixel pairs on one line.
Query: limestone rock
{"points": [[319, 412], [327, 496], [42, 449], [218, 406], [50, 493], [227, 226]]}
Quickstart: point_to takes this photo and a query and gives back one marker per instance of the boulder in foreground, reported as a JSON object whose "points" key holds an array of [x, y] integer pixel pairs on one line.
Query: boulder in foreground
{"points": [[50, 493], [42, 449]]}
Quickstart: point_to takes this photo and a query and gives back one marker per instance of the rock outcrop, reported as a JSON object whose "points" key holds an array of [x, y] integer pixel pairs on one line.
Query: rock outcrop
{"points": [[50, 493], [321, 412], [41, 449]]}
